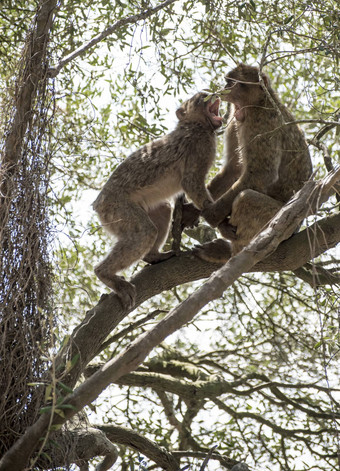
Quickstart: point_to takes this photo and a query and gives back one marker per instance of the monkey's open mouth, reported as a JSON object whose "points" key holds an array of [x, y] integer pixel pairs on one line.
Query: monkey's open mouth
{"points": [[213, 109]]}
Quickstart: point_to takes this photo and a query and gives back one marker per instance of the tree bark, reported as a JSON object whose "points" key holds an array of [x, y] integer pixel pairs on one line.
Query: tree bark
{"points": [[32, 72]]}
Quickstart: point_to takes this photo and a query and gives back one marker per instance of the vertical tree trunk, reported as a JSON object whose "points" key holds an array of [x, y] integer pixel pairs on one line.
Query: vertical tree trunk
{"points": [[25, 285]]}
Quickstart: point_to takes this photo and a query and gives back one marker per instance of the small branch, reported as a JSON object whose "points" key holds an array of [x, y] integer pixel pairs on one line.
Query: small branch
{"points": [[316, 141], [317, 276], [130, 328], [326, 129], [207, 458], [169, 411], [225, 461], [54, 71], [261, 81], [295, 433]]}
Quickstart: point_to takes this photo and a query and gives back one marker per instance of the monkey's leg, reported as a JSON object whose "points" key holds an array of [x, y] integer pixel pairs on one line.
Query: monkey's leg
{"points": [[161, 218], [251, 211], [136, 234]]}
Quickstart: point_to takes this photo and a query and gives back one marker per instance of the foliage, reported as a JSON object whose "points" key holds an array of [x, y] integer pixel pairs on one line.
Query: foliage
{"points": [[255, 372]]}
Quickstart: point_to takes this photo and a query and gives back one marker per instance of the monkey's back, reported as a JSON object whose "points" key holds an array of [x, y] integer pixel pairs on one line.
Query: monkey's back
{"points": [[154, 172], [296, 165], [264, 137]]}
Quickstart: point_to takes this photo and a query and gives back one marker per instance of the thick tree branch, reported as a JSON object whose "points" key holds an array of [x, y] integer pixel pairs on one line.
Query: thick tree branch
{"points": [[54, 71], [135, 441], [211, 389], [159, 455], [152, 280], [282, 226]]}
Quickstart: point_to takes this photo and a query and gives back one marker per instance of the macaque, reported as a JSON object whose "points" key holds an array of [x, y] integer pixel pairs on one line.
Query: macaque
{"points": [[273, 163], [134, 203]]}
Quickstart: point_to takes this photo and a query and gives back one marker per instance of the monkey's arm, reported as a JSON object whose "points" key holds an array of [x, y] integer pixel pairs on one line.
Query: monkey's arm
{"points": [[224, 179], [193, 179], [201, 198], [215, 213], [197, 191], [233, 166]]}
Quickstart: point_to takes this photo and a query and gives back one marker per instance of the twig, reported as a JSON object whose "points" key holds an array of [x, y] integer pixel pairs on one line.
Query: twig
{"points": [[207, 458], [54, 71], [324, 149]]}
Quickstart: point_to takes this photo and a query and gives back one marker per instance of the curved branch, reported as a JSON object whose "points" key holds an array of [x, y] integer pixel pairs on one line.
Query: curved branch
{"points": [[157, 454], [54, 71], [211, 389], [276, 428], [152, 280], [134, 440]]}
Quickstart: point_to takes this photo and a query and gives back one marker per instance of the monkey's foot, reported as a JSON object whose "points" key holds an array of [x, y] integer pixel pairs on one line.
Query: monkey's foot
{"points": [[216, 251], [126, 292], [158, 257], [227, 230]]}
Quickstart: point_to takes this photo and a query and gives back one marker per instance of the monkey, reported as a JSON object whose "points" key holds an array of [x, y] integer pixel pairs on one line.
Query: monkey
{"points": [[274, 163], [134, 203]]}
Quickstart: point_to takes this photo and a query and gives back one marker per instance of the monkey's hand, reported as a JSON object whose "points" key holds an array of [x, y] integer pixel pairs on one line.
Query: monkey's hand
{"points": [[227, 230], [216, 251], [157, 257], [217, 212], [213, 215], [190, 215]]}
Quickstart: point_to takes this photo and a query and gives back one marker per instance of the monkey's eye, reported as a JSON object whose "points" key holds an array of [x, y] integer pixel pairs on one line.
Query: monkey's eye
{"points": [[230, 83]]}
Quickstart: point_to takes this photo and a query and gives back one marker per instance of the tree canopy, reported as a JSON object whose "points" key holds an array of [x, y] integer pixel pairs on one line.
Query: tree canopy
{"points": [[235, 372]]}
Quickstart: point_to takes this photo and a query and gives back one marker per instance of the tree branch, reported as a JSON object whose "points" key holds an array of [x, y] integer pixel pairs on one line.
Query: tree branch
{"points": [[152, 280], [157, 454], [54, 71], [317, 276], [210, 389], [222, 459], [134, 440], [276, 428]]}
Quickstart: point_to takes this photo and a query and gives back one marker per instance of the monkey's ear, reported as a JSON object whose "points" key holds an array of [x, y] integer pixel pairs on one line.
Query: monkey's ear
{"points": [[180, 113], [265, 79]]}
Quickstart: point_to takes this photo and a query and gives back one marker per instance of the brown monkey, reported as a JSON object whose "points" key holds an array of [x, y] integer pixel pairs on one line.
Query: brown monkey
{"points": [[133, 204], [274, 162]]}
